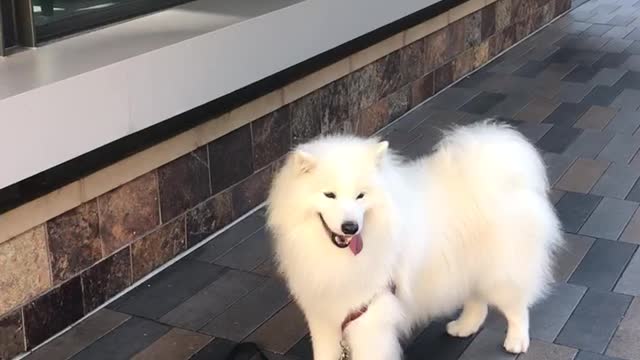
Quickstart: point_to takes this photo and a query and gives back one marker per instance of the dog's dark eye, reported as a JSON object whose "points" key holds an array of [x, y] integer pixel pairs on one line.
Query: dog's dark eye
{"points": [[360, 196], [330, 195]]}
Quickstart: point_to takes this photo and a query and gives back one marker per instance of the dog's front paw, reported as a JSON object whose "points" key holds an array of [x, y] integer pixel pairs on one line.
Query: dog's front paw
{"points": [[459, 329], [516, 344]]}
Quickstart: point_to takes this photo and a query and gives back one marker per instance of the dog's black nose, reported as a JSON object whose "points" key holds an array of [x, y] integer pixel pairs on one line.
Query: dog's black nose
{"points": [[349, 228]]}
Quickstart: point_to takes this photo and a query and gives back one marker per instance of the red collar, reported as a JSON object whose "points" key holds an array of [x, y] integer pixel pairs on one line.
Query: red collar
{"points": [[357, 313]]}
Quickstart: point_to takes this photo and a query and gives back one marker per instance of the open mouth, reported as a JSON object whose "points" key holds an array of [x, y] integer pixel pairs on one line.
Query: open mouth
{"points": [[354, 242]]}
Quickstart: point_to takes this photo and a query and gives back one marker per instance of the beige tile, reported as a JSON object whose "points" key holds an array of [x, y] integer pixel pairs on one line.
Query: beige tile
{"points": [[377, 51], [38, 211], [137, 165], [24, 268], [465, 9], [422, 30], [582, 175], [537, 110], [318, 79], [258, 108], [177, 344], [596, 118]]}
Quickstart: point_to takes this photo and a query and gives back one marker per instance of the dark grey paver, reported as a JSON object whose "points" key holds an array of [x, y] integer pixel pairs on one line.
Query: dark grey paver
{"points": [[303, 349], [589, 144], [631, 233], [581, 74], [80, 336], [594, 321], [609, 219], [574, 209], [124, 341], [250, 253], [558, 139], [166, 290], [557, 165], [568, 258], [243, 317], [625, 122], [510, 106], [602, 95], [217, 349], [603, 264], [435, 343], [607, 76], [283, 331], [617, 181], [533, 132], [488, 344], [634, 193], [628, 100], [621, 149], [629, 283], [212, 301], [530, 69], [482, 103], [228, 239], [586, 355], [548, 316], [566, 114]]}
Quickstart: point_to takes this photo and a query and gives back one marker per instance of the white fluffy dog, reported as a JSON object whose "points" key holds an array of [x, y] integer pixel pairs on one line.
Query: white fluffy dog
{"points": [[372, 245]]}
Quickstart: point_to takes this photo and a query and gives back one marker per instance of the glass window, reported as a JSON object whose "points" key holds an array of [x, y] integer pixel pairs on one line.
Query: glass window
{"points": [[55, 18]]}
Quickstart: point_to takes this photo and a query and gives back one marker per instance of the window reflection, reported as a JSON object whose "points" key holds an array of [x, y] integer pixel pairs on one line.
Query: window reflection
{"points": [[56, 18], [46, 11]]}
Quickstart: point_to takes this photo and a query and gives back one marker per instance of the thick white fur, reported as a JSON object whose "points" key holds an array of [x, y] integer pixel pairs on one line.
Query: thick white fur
{"points": [[470, 225]]}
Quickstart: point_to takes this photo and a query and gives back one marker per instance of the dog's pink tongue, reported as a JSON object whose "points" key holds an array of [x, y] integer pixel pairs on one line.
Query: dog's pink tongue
{"points": [[356, 244]]}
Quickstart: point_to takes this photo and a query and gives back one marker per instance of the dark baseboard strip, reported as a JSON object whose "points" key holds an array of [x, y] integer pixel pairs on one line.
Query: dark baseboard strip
{"points": [[77, 168]]}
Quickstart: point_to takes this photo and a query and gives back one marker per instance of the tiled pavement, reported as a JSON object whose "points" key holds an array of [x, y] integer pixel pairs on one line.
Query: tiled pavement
{"points": [[573, 89]]}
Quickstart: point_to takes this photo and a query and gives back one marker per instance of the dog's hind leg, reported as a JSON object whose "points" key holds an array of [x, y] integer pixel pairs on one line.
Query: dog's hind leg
{"points": [[514, 305], [468, 323]]}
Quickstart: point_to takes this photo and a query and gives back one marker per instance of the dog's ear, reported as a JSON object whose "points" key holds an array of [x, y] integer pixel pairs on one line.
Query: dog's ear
{"points": [[381, 150], [303, 161]]}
